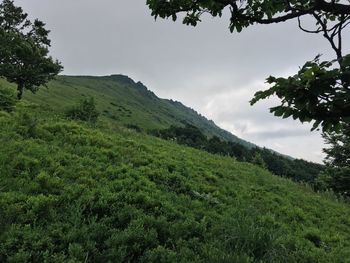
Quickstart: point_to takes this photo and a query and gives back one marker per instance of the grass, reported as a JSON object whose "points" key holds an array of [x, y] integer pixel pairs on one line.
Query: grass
{"points": [[75, 192]]}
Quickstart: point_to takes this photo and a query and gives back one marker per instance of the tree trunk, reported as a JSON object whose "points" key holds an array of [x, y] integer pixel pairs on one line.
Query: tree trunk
{"points": [[20, 88]]}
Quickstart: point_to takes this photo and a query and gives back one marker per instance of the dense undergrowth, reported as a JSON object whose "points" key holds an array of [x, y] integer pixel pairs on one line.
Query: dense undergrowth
{"points": [[76, 192]]}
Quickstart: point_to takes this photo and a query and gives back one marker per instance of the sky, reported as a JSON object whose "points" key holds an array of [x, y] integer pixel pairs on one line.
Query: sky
{"points": [[207, 68]]}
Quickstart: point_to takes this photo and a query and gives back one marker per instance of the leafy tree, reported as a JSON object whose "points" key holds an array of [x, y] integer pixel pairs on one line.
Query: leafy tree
{"points": [[338, 154], [337, 174], [319, 91], [188, 135], [337, 179], [24, 53], [258, 160], [217, 146]]}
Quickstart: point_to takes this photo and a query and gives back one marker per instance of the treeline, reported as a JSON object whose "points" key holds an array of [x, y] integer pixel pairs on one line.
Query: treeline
{"points": [[296, 169]]}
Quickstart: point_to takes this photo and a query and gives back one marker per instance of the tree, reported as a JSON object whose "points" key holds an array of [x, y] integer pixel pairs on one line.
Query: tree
{"points": [[338, 154], [24, 53], [258, 160], [319, 91], [337, 174]]}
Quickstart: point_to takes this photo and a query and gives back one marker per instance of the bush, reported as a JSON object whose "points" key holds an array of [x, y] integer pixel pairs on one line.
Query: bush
{"points": [[134, 127], [7, 99], [338, 179], [27, 125], [84, 111]]}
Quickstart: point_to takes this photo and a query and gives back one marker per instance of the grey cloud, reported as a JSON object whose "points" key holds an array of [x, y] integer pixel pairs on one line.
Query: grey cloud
{"points": [[281, 133]]}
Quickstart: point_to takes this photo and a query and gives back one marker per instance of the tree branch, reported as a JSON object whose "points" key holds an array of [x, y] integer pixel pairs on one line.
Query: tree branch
{"points": [[334, 8], [306, 30]]}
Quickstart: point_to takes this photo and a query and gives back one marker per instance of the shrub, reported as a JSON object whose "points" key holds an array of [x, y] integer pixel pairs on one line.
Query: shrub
{"points": [[134, 127], [334, 180], [27, 125], [313, 236], [7, 99], [84, 111]]}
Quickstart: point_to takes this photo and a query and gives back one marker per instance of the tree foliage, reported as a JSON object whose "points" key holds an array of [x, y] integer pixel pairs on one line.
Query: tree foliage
{"points": [[302, 96], [337, 174], [24, 53], [188, 135], [258, 160], [317, 92], [248, 12], [338, 154]]}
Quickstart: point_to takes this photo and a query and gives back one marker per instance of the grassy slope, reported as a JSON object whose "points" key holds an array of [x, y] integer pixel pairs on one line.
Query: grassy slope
{"points": [[121, 99], [69, 191]]}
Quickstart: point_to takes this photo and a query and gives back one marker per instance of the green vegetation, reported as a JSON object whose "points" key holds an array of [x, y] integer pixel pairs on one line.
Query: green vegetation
{"points": [[122, 101], [24, 50], [84, 111], [7, 99], [78, 188], [337, 174], [295, 169], [319, 92], [72, 192]]}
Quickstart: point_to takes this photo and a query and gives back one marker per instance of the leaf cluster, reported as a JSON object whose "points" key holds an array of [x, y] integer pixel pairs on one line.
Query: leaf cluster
{"points": [[318, 92]]}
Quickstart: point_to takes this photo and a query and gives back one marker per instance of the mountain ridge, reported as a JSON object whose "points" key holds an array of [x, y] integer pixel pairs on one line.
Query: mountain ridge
{"points": [[220, 132], [170, 112]]}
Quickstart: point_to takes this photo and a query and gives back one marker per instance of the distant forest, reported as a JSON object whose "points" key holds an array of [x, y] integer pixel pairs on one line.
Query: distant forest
{"points": [[295, 169]]}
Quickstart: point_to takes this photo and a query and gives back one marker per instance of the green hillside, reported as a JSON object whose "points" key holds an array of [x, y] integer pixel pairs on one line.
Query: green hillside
{"points": [[120, 99], [71, 191], [77, 192]]}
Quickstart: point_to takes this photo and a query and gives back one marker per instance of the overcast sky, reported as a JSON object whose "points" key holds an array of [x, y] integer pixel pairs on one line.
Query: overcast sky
{"points": [[207, 68]]}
